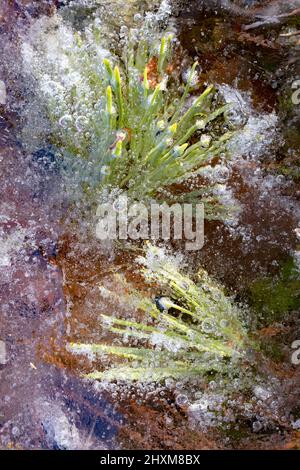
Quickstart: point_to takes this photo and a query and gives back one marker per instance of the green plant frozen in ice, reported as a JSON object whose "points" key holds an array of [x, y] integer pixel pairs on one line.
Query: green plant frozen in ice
{"points": [[121, 117], [152, 146], [193, 330]]}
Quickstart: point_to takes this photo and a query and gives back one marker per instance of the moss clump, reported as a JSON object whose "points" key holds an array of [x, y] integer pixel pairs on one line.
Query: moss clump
{"points": [[273, 348], [275, 297]]}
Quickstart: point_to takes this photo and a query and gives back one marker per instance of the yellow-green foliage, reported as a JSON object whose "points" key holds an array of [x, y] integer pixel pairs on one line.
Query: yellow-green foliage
{"points": [[128, 121], [151, 146], [194, 330]]}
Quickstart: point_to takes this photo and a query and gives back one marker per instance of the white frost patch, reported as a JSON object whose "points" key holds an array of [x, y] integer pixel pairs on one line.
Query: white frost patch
{"points": [[161, 16], [205, 412], [296, 256], [80, 349], [258, 134], [258, 130], [296, 424], [9, 245], [262, 393], [57, 426], [225, 195], [160, 340], [105, 293], [156, 257], [52, 55]]}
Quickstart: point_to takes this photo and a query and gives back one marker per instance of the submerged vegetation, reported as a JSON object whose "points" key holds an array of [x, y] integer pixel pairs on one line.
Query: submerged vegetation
{"points": [[194, 330], [120, 106], [130, 125], [129, 122], [129, 119], [152, 132]]}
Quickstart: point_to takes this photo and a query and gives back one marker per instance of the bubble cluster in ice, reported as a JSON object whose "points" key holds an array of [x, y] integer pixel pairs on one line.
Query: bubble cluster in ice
{"points": [[10, 244], [60, 432], [258, 130]]}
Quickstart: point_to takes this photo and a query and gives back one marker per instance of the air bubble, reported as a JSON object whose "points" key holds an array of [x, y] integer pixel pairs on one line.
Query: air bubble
{"points": [[81, 123], [182, 400], [66, 121], [105, 170]]}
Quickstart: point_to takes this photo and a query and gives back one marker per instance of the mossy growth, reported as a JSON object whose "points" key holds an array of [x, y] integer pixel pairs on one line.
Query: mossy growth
{"points": [[292, 171], [275, 297], [195, 330], [274, 348]]}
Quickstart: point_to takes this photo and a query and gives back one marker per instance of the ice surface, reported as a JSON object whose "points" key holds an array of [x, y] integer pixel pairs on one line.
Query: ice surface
{"points": [[43, 404]]}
